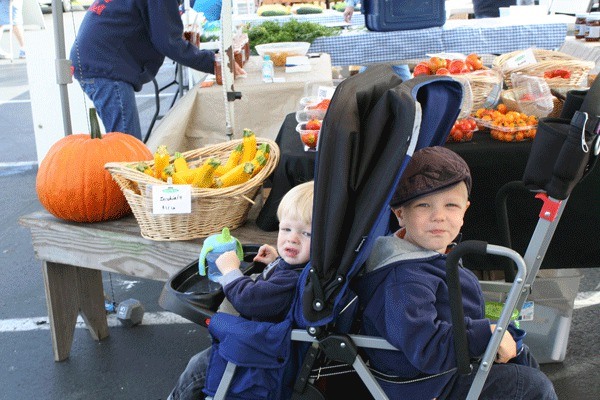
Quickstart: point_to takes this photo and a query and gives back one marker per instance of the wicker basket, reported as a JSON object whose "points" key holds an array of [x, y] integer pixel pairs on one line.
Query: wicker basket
{"points": [[212, 209], [547, 60]]}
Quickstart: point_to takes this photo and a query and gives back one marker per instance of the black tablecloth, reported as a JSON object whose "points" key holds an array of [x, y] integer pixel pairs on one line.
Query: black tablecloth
{"points": [[576, 242]]}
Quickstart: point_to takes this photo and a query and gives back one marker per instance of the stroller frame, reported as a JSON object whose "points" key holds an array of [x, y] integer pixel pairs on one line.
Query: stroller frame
{"points": [[343, 347]]}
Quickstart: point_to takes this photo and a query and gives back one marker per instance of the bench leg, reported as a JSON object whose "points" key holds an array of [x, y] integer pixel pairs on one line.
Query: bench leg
{"points": [[70, 291]]}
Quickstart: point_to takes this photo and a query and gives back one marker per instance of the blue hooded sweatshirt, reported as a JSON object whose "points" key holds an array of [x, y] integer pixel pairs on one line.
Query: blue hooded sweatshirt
{"points": [[405, 300], [127, 40]]}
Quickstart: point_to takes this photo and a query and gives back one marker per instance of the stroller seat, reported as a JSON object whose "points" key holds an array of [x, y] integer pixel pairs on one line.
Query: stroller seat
{"points": [[373, 125]]}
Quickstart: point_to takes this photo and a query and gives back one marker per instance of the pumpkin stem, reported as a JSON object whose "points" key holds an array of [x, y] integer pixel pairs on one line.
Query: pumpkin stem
{"points": [[94, 125]]}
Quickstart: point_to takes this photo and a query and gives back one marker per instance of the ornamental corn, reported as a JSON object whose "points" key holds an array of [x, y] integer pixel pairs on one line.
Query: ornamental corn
{"points": [[234, 159], [235, 176], [180, 163], [161, 161], [203, 176], [249, 142]]}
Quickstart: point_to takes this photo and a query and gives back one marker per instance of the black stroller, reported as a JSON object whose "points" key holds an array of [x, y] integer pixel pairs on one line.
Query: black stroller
{"points": [[374, 124]]}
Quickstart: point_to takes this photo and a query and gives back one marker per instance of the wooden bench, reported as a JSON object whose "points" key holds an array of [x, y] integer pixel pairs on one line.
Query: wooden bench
{"points": [[74, 255]]}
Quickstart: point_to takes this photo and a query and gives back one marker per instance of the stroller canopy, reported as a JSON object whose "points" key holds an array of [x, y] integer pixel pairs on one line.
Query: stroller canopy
{"points": [[373, 125]]}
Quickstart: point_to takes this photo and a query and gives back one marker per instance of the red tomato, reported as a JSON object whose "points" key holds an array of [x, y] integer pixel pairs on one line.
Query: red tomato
{"points": [[310, 138], [421, 69], [436, 63], [464, 125], [324, 104], [474, 61], [563, 73], [527, 97], [313, 124], [456, 66]]}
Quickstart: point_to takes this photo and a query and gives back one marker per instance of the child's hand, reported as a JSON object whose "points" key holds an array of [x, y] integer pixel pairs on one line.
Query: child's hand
{"points": [[507, 349], [228, 262], [266, 254]]}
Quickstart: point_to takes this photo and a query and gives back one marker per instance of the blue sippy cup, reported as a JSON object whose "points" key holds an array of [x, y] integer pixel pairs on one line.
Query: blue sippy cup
{"points": [[213, 247]]}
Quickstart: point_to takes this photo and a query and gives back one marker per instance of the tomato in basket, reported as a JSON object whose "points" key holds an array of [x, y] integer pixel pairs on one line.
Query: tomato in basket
{"points": [[557, 73]]}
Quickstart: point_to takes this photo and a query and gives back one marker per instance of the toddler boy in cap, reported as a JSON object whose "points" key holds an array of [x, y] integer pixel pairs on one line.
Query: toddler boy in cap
{"points": [[405, 297]]}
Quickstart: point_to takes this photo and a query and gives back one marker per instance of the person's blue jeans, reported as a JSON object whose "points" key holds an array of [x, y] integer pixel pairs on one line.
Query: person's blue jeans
{"points": [[519, 379], [115, 104], [192, 380]]}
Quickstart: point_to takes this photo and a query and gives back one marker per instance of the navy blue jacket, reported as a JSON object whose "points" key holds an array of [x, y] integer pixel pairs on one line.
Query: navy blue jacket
{"points": [[490, 8], [128, 40], [405, 300], [269, 297]]}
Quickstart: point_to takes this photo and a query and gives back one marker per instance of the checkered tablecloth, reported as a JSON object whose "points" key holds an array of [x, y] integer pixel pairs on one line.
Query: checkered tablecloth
{"points": [[326, 17], [360, 47], [483, 36]]}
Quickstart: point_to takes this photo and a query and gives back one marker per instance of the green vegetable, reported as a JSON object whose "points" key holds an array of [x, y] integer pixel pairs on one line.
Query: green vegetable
{"points": [[272, 10], [291, 31], [308, 9], [341, 6]]}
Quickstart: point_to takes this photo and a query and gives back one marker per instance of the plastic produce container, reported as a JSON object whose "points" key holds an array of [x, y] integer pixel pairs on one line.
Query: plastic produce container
{"points": [[553, 296], [279, 52]]}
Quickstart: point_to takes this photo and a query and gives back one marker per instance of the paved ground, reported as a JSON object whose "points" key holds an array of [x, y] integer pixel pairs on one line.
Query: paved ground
{"points": [[143, 362]]}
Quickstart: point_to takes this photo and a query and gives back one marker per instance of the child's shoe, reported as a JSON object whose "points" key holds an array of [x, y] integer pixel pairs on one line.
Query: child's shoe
{"points": [[21, 53]]}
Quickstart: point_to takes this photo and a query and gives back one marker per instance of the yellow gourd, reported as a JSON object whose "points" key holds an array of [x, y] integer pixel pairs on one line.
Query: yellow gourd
{"points": [[180, 163], [145, 168], [183, 177], [203, 177], [167, 172], [161, 161], [249, 142], [235, 176], [265, 150], [258, 162], [234, 159]]}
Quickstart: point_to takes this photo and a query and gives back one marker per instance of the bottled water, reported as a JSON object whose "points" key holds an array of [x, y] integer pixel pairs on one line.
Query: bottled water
{"points": [[267, 69]]}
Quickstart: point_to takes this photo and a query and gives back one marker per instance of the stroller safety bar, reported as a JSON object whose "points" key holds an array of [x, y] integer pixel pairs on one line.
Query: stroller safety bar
{"points": [[458, 324]]}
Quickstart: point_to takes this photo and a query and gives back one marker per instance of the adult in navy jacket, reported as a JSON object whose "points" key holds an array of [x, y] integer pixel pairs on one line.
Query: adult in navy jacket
{"points": [[490, 8], [120, 46]]}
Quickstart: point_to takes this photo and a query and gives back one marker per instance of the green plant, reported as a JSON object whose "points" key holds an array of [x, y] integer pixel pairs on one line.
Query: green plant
{"points": [[291, 31]]}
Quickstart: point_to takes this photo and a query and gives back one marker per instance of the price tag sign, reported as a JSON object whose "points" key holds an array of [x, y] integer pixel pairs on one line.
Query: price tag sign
{"points": [[325, 91], [171, 199], [521, 59]]}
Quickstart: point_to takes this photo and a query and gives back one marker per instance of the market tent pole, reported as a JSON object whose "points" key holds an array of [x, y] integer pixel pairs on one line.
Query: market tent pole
{"points": [[227, 63], [61, 64]]}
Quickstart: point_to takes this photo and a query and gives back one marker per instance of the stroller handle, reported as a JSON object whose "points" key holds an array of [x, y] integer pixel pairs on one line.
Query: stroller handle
{"points": [[455, 296]]}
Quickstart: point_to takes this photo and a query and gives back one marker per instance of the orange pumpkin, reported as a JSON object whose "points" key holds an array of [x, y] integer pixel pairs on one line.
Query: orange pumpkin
{"points": [[72, 183]]}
